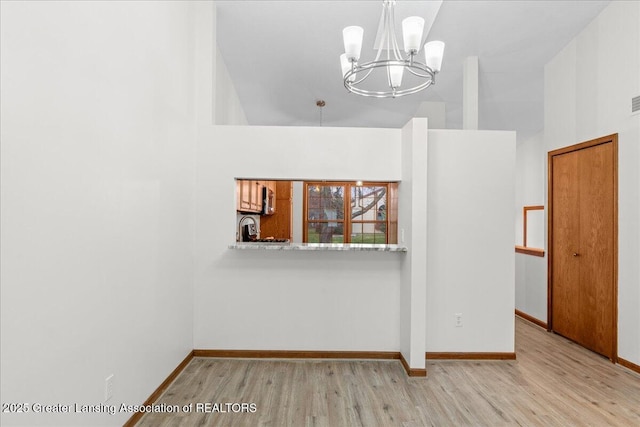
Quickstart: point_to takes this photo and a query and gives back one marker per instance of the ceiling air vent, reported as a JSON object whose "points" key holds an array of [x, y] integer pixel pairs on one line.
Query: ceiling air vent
{"points": [[635, 104]]}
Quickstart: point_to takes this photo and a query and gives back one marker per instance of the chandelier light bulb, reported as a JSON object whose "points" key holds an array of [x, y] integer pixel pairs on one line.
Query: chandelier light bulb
{"points": [[395, 75], [412, 33], [352, 37], [434, 52]]}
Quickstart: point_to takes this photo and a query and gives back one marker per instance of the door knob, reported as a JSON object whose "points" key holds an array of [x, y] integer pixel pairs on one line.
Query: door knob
{"points": [[576, 254]]}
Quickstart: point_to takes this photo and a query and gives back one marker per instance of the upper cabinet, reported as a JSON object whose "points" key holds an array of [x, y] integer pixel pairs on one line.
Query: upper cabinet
{"points": [[243, 192], [249, 195], [255, 196]]}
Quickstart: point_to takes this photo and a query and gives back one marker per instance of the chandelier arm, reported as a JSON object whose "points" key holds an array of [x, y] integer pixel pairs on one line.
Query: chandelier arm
{"points": [[390, 93], [362, 79], [367, 66], [379, 53], [387, 33], [430, 74], [393, 92], [385, 41], [392, 32], [386, 30], [415, 89], [411, 67], [382, 42], [392, 46], [379, 64], [355, 68]]}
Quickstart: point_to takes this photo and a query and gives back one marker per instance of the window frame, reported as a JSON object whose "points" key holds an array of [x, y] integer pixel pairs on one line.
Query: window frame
{"points": [[347, 222], [524, 249]]}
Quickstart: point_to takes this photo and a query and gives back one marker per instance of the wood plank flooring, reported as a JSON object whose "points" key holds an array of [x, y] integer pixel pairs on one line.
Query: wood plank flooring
{"points": [[554, 382]]}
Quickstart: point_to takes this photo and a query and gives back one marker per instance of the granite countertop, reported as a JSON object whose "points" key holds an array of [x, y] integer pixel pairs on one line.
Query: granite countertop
{"points": [[317, 247]]}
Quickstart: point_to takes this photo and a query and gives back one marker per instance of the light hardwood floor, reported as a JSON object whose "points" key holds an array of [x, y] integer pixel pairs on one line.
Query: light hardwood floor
{"points": [[553, 382]]}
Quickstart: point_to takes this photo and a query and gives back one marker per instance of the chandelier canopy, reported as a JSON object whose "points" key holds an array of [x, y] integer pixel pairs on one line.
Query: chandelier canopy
{"points": [[394, 62]]}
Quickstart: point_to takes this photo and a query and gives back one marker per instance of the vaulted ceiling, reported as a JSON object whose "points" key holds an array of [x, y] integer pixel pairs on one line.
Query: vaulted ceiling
{"points": [[284, 55]]}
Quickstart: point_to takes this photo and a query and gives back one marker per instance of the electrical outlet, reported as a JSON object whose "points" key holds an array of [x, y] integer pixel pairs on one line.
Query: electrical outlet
{"points": [[402, 235], [108, 388], [458, 317]]}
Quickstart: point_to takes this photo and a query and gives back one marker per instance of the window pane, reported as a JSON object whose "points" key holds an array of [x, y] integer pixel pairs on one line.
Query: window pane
{"points": [[313, 214], [380, 238], [325, 232], [356, 233], [325, 202], [313, 191], [366, 201], [381, 215], [368, 232]]}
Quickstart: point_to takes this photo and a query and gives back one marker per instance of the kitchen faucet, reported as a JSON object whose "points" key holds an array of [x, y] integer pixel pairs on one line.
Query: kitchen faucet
{"points": [[240, 224]]}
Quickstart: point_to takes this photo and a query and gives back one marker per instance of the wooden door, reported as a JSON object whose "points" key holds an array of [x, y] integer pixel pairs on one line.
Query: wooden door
{"points": [[583, 244]]}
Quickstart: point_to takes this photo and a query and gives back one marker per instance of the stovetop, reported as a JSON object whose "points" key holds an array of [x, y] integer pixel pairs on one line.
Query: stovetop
{"points": [[271, 240]]}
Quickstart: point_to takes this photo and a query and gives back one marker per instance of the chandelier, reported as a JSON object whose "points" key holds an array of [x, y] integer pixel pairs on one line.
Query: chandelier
{"points": [[393, 62]]}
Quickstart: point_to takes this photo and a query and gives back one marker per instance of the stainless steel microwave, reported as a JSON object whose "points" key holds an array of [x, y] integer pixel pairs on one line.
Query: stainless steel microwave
{"points": [[268, 201]]}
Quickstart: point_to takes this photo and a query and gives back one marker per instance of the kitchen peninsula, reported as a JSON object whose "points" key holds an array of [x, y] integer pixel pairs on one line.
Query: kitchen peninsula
{"points": [[347, 247]]}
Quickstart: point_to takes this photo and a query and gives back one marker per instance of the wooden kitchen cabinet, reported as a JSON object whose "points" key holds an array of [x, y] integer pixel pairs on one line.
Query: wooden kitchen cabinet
{"points": [[249, 195], [243, 194], [256, 196]]}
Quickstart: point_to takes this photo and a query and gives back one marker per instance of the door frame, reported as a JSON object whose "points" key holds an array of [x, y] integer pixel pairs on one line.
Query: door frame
{"points": [[609, 139]]}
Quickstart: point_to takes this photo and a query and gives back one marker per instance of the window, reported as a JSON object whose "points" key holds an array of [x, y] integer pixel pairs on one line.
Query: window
{"points": [[341, 212], [532, 232]]}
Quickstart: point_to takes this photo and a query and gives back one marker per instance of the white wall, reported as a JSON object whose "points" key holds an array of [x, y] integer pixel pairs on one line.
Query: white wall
{"points": [[412, 225], [354, 301], [588, 91], [530, 179], [435, 112], [97, 202], [228, 110], [470, 262], [291, 300], [531, 285], [531, 271]]}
